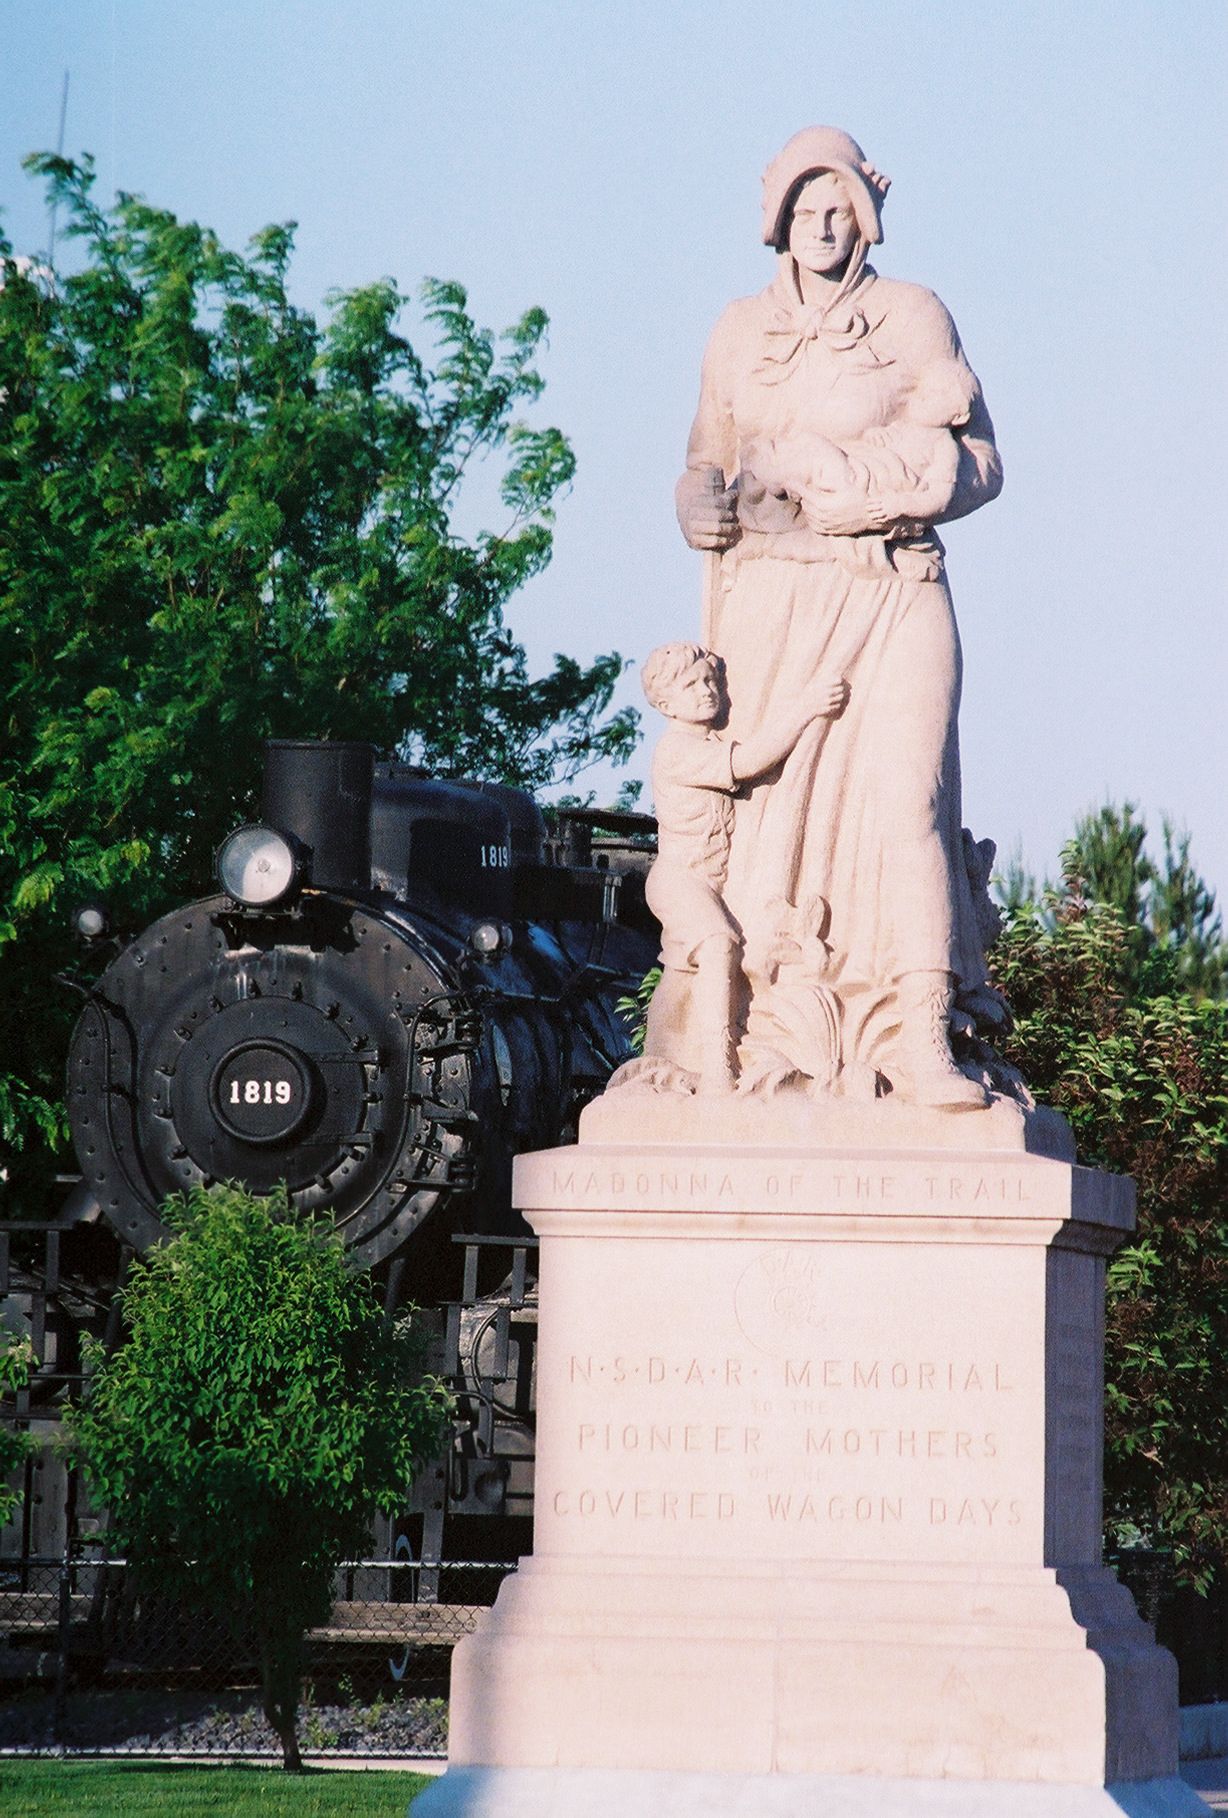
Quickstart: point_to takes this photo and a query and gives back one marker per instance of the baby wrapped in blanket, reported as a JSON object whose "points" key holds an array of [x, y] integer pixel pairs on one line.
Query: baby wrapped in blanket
{"points": [[908, 464]]}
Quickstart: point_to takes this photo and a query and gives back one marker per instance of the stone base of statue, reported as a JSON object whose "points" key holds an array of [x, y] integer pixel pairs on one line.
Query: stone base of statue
{"points": [[818, 1487]]}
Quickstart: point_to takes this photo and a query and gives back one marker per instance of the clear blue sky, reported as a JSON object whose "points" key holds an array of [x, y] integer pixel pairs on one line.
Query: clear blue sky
{"points": [[1059, 180]]}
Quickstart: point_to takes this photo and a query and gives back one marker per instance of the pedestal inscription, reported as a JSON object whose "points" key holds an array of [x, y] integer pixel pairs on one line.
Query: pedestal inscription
{"points": [[733, 1182], [835, 1359], [765, 1420]]}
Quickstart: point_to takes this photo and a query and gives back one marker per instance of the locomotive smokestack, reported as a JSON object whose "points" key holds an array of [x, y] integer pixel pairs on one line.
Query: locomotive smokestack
{"points": [[320, 791]]}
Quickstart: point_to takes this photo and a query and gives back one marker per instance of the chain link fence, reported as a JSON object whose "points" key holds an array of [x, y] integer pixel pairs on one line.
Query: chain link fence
{"points": [[88, 1665]]}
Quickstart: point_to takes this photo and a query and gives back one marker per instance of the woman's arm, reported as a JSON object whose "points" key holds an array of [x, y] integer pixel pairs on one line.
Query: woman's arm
{"points": [[926, 334], [978, 477], [917, 330], [707, 508]]}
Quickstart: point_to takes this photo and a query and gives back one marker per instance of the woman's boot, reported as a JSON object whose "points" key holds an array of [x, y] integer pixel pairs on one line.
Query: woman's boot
{"points": [[927, 1073]]}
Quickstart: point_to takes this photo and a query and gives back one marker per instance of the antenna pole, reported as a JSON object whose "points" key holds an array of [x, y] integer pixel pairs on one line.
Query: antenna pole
{"points": [[59, 152]]}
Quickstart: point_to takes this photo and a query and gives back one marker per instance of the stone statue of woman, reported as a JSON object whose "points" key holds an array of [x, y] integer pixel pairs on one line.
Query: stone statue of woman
{"points": [[839, 423]]}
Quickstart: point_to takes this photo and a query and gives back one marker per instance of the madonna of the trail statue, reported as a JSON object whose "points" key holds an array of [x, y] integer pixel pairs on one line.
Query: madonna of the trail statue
{"points": [[839, 423]]}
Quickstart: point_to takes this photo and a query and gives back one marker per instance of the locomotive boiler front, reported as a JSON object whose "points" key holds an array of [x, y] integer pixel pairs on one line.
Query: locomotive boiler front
{"points": [[361, 1014]]}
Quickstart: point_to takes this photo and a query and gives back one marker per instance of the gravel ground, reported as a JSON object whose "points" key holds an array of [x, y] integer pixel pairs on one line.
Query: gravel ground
{"points": [[221, 1723]]}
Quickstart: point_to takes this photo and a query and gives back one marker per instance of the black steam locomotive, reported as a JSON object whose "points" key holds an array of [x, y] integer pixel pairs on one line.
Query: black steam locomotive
{"points": [[403, 983], [396, 991]]}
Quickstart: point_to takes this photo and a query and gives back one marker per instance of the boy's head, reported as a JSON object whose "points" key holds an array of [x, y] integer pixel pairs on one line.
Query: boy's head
{"points": [[685, 682]]}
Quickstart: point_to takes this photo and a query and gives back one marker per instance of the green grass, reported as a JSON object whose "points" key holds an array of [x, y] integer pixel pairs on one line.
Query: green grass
{"points": [[108, 1789]]}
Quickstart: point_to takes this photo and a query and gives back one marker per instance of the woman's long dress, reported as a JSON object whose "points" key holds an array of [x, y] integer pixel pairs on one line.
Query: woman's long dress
{"points": [[847, 866]]}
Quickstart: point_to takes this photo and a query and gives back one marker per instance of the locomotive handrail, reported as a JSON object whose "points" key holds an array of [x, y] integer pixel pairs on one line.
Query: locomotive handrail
{"points": [[496, 1237], [39, 1224], [618, 820]]}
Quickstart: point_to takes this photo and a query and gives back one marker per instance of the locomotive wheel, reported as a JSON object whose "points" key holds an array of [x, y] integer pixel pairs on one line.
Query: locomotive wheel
{"points": [[321, 1048]]}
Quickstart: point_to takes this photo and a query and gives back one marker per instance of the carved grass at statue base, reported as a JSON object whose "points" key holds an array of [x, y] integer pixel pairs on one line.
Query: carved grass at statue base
{"points": [[818, 1495]]}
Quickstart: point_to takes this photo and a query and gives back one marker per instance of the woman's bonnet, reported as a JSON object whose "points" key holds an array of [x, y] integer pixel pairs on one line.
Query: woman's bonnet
{"points": [[815, 149]]}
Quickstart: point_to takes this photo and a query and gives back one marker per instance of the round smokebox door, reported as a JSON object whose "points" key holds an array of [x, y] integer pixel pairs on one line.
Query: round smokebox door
{"points": [[262, 1091]]}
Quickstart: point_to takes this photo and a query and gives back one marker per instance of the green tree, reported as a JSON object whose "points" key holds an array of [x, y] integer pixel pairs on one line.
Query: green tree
{"points": [[1107, 861], [16, 1365], [221, 520], [1185, 922], [1175, 932], [260, 1407], [1139, 1065]]}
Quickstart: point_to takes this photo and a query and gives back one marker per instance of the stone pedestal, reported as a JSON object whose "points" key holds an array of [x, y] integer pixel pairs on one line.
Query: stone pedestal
{"points": [[817, 1496]]}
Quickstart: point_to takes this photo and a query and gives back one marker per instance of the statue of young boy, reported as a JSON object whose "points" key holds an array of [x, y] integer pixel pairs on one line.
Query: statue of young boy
{"points": [[695, 773]]}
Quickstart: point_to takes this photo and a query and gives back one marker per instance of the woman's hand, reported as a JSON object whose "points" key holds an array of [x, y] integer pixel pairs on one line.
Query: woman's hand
{"points": [[707, 509], [846, 514]]}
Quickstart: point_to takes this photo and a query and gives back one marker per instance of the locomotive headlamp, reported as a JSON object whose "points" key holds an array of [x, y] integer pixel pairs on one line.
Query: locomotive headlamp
{"points": [[489, 939], [257, 866], [91, 921]]}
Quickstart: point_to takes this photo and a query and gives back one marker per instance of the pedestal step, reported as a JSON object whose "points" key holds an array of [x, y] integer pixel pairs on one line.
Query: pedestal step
{"points": [[1008, 1674], [613, 1793]]}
